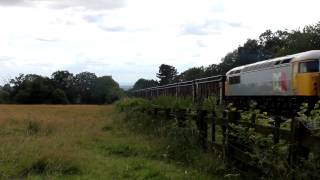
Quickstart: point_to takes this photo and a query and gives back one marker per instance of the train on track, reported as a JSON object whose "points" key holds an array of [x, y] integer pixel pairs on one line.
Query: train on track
{"points": [[283, 82]]}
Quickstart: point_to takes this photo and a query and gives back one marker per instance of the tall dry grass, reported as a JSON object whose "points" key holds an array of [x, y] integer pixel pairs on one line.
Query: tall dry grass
{"points": [[78, 142], [46, 139]]}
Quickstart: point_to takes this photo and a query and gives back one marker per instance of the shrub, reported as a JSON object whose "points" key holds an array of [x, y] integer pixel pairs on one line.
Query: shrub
{"points": [[50, 165], [131, 104], [172, 102]]}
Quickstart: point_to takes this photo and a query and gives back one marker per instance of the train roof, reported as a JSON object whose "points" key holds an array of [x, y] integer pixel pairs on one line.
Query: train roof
{"points": [[314, 54]]}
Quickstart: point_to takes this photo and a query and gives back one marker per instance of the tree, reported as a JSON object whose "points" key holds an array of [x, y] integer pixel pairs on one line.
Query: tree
{"points": [[59, 97], [4, 97], [166, 74], [65, 81], [302, 40], [32, 89], [192, 74], [250, 52], [271, 42], [85, 83], [144, 83], [106, 90]]}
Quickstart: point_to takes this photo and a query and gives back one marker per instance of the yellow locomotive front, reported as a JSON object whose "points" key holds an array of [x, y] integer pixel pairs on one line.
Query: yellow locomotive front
{"points": [[306, 77]]}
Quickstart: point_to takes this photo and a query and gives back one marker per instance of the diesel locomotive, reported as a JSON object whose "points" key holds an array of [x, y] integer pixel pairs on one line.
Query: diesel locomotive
{"points": [[283, 82], [280, 82]]}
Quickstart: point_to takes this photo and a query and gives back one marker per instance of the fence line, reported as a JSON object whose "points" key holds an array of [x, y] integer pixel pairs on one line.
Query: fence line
{"points": [[300, 142]]}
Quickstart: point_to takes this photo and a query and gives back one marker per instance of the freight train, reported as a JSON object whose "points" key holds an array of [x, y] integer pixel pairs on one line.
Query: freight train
{"points": [[283, 82]]}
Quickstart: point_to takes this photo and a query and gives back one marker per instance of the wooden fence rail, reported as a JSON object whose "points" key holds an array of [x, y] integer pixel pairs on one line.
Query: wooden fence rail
{"points": [[299, 140]]}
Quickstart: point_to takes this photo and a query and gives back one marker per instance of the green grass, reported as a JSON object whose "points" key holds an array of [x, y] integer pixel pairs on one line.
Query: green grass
{"points": [[80, 142]]}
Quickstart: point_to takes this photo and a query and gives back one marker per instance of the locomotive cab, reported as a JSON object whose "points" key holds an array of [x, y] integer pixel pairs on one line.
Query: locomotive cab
{"points": [[306, 77]]}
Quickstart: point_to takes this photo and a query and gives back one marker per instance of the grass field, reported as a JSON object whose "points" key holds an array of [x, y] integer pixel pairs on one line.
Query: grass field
{"points": [[78, 142]]}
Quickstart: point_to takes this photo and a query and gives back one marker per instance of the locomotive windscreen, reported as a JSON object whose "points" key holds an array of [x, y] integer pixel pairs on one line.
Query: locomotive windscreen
{"points": [[309, 66]]}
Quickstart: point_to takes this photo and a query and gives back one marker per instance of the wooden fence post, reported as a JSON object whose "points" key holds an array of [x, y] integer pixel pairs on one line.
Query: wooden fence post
{"points": [[233, 116], [224, 137], [203, 128], [155, 111], [293, 146], [276, 133], [253, 119], [181, 116], [213, 127], [168, 111]]}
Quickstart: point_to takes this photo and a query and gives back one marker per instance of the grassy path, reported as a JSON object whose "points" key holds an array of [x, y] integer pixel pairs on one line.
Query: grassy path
{"points": [[77, 142]]}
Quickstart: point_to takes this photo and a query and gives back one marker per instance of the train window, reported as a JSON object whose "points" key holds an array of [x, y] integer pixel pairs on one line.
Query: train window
{"points": [[277, 62], [286, 61], [237, 71], [234, 80], [309, 66], [269, 64], [264, 65], [260, 66]]}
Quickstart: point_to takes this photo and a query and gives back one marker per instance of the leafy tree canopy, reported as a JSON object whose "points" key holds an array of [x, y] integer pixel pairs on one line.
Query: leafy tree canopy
{"points": [[167, 74]]}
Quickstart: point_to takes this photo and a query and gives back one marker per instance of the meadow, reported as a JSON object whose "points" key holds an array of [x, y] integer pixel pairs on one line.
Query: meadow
{"points": [[79, 142]]}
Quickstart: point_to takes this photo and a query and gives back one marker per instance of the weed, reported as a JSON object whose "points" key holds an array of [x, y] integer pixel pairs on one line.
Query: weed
{"points": [[33, 127], [106, 128], [121, 150], [49, 165]]}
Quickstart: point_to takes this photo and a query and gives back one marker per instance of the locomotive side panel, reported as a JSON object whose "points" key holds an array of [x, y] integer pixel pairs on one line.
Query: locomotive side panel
{"points": [[265, 82]]}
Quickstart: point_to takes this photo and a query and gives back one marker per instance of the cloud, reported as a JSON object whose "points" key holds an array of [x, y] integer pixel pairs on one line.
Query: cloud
{"points": [[5, 59], [93, 18], [62, 4], [201, 44], [218, 8], [46, 40], [192, 29], [114, 29], [209, 27], [15, 2]]}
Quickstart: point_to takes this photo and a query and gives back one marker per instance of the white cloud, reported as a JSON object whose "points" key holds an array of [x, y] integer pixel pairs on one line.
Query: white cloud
{"points": [[61, 4], [130, 39]]}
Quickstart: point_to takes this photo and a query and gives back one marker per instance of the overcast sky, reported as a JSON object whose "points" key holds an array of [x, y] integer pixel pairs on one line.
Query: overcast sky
{"points": [[129, 39]]}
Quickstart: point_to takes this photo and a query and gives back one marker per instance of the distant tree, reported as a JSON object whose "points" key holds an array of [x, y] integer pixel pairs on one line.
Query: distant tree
{"points": [[106, 90], [113, 94], [302, 40], [144, 83], [85, 83], [167, 74], [33, 89], [59, 97], [230, 61], [6, 93], [250, 52], [212, 70], [17, 84], [271, 42], [7, 88], [4, 97], [65, 81], [192, 74]]}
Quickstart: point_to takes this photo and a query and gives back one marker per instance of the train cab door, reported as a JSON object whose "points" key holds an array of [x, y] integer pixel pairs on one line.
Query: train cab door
{"points": [[305, 78], [295, 68]]}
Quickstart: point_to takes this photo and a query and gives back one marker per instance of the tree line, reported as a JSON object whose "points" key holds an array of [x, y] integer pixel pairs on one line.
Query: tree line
{"points": [[62, 87], [268, 45]]}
